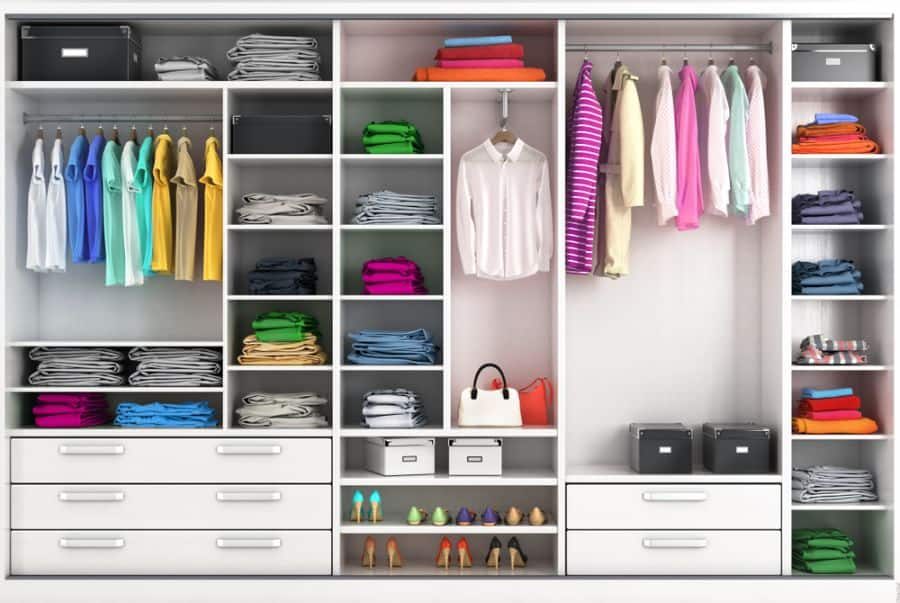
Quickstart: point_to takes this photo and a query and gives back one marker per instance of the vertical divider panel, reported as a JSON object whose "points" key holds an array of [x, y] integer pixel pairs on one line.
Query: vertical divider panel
{"points": [[337, 397], [891, 73], [447, 241], [559, 293], [227, 337]]}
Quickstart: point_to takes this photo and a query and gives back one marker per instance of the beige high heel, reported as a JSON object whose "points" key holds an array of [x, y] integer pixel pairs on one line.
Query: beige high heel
{"points": [[513, 516], [393, 553], [368, 556], [537, 517]]}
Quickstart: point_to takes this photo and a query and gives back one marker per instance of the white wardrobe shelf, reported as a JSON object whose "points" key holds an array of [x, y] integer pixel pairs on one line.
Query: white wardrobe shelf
{"points": [[265, 298], [375, 85], [112, 431], [399, 526], [511, 477], [840, 298], [377, 298], [279, 227], [840, 507], [388, 368], [365, 432], [839, 227], [114, 344], [377, 159], [603, 474], [837, 159], [836, 368], [828, 91], [278, 432], [840, 437], [392, 227], [457, 432], [116, 390], [266, 159], [280, 367], [428, 569]]}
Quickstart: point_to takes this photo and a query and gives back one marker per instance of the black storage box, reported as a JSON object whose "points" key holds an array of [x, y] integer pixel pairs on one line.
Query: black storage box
{"points": [[834, 62], [285, 134], [660, 447], [736, 447], [53, 52]]}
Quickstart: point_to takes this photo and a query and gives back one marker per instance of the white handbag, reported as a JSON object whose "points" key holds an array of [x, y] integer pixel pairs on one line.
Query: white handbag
{"points": [[489, 407]]}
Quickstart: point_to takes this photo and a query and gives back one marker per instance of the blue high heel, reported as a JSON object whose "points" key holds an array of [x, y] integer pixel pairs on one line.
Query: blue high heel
{"points": [[375, 511], [356, 510]]}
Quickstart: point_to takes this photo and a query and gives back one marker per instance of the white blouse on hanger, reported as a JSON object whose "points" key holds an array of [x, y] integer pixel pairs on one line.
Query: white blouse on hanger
{"points": [[757, 151], [662, 149], [37, 210], [712, 123], [55, 242]]}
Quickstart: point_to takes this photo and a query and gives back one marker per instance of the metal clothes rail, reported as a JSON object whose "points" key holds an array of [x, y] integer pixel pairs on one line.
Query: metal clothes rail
{"points": [[612, 47], [33, 118]]}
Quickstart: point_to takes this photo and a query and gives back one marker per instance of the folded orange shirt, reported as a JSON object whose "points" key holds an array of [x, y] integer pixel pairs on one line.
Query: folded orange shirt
{"points": [[848, 147], [853, 426], [508, 74], [828, 129]]}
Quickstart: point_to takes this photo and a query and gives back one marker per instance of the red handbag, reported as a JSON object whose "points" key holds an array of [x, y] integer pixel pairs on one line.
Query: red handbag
{"points": [[535, 401]]}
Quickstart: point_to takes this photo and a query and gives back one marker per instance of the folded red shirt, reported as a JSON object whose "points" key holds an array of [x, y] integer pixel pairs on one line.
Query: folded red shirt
{"points": [[837, 403], [496, 51]]}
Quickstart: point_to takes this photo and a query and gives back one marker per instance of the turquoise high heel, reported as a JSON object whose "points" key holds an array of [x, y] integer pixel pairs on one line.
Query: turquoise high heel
{"points": [[375, 511], [356, 510]]}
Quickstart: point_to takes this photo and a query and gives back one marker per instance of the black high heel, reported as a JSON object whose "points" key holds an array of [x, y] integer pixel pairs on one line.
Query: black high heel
{"points": [[517, 558], [493, 556]]}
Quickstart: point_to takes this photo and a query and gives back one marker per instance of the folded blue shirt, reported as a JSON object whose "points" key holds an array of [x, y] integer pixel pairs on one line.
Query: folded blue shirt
{"points": [[843, 278], [818, 394], [835, 118], [850, 289], [478, 41], [392, 347]]}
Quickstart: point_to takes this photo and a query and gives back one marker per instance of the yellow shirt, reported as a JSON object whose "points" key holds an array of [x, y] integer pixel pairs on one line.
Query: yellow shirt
{"points": [[212, 212], [163, 242]]}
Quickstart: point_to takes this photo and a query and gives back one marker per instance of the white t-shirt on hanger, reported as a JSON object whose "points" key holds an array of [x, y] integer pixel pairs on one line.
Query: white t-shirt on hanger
{"points": [[55, 243], [37, 210]]}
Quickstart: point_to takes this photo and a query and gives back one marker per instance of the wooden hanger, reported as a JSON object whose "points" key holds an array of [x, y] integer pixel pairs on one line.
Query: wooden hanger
{"points": [[59, 132], [504, 134], [39, 135], [618, 62]]}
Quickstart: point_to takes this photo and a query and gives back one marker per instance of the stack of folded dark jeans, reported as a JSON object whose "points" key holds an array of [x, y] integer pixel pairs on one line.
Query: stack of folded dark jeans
{"points": [[392, 347], [827, 207], [283, 276], [76, 367], [70, 410], [388, 207], [176, 367], [393, 276], [826, 277]]}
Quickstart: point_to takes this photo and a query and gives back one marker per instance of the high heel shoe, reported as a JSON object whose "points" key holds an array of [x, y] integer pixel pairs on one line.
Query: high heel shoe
{"points": [[493, 556], [416, 515], [465, 517], [516, 557], [513, 516], [443, 556], [356, 510], [489, 517], [537, 517], [375, 511], [393, 553], [462, 551], [368, 556], [439, 517]]}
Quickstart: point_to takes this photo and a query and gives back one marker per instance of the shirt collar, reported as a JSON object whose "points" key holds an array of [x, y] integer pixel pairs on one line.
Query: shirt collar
{"points": [[496, 155]]}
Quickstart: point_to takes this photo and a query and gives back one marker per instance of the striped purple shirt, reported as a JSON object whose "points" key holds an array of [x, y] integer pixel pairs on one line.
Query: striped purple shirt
{"points": [[585, 134]]}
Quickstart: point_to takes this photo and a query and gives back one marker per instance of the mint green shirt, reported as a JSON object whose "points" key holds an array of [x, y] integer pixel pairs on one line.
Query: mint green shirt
{"points": [[143, 198], [738, 158], [113, 236]]}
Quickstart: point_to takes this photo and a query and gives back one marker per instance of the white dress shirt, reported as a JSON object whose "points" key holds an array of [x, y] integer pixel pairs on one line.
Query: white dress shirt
{"points": [[662, 149], [37, 211], [757, 152], [134, 275], [712, 125], [55, 242], [504, 218]]}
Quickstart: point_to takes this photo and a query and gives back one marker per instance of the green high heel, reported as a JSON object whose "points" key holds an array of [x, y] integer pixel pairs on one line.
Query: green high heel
{"points": [[440, 517], [416, 516]]}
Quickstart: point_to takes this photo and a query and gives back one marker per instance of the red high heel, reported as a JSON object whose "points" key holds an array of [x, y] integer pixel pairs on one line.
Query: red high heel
{"points": [[443, 556], [368, 556], [393, 553], [462, 549]]}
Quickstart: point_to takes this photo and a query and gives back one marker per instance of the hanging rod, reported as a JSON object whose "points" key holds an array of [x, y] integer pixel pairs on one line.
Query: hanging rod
{"points": [[32, 118], [606, 47]]}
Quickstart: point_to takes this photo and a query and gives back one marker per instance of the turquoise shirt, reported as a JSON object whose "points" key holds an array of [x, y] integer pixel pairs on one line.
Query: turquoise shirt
{"points": [[143, 183], [738, 159], [113, 237]]}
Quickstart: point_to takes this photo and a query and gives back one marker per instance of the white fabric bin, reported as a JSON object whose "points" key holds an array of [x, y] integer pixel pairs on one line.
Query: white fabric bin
{"points": [[476, 456], [400, 456]]}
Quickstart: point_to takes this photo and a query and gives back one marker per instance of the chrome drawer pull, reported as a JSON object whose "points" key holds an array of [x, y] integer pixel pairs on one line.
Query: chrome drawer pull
{"points": [[92, 543], [92, 496], [92, 449], [248, 543], [689, 496], [240, 449], [248, 496], [674, 543]]}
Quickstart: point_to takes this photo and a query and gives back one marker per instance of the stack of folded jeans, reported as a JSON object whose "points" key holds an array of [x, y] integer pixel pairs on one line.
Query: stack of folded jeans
{"points": [[164, 414], [388, 207], [176, 367], [825, 551], [264, 57], [393, 276], [76, 367], [185, 69], [392, 408], [392, 347], [392, 137], [832, 485], [283, 338], [826, 277], [268, 208], [818, 349], [283, 276], [827, 207], [294, 410], [70, 410]]}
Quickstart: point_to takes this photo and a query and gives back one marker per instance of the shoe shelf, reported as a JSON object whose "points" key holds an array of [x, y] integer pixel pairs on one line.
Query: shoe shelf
{"points": [[399, 526], [511, 477], [432, 571], [841, 507]]}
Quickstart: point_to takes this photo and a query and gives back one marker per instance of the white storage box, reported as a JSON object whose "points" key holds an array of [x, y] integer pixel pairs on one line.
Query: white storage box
{"points": [[476, 456], [400, 456]]}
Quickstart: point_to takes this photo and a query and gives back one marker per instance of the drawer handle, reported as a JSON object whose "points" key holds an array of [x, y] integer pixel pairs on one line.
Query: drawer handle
{"points": [[248, 496], [674, 543], [92, 496], [92, 543], [248, 449], [668, 496], [92, 449], [248, 543]]}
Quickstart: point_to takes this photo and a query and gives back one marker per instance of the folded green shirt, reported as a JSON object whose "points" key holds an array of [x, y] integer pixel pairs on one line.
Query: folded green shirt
{"points": [[373, 139], [394, 148], [391, 127], [276, 320], [285, 334], [822, 554], [831, 566]]}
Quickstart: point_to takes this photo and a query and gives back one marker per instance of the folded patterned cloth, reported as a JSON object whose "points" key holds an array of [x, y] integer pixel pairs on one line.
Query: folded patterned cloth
{"points": [[851, 426], [470, 63], [76, 367], [297, 410], [477, 41], [268, 57], [268, 208], [388, 207], [490, 51], [185, 69], [176, 367], [825, 344], [816, 394], [393, 408], [508, 74], [392, 347], [305, 352]]}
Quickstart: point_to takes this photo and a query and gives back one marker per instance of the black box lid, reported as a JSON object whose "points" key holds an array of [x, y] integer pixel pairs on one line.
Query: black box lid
{"points": [[660, 431], [736, 431]]}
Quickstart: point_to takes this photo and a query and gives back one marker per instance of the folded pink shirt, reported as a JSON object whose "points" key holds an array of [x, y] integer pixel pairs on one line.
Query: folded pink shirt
{"points": [[476, 63], [72, 419], [832, 415]]}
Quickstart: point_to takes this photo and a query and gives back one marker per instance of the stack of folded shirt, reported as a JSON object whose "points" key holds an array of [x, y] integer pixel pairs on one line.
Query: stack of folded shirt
{"points": [[832, 485], [163, 414], [831, 411], [283, 276], [834, 133], [388, 207], [824, 551], [826, 277], [283, 338], [817, 349], [76, 367], [392, 347], [297, 410], [263, 57], [268, 208], [70, 410], [176, 367], [827, 207], [392, 408], [392, 138], [185, 69], [488, 58], [393, 276]]}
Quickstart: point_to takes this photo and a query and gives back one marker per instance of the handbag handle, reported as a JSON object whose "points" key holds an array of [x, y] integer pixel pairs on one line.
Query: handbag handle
{"points": [[474, 394]]}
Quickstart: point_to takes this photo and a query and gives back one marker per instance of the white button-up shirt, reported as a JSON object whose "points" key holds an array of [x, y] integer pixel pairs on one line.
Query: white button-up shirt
{"points": [[504, 216]]}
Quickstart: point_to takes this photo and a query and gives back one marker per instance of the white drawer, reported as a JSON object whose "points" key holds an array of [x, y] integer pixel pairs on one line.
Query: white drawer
{"points": [[664, 553], [171, 460], [673, 506], [157, 507], [170, 553]]}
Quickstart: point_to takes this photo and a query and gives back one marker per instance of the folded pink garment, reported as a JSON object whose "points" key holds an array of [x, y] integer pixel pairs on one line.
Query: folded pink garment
{"points": [[395, 289], [475, 63], [71, 399], [832, 415], [72, 420], [398, 264], [390, 277], [61, 409]]}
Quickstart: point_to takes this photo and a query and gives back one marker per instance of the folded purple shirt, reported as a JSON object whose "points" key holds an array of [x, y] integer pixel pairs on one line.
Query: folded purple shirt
{"points": [[845, 218], [73, 400], [396, 288], [72, 419], [62, 409]]}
